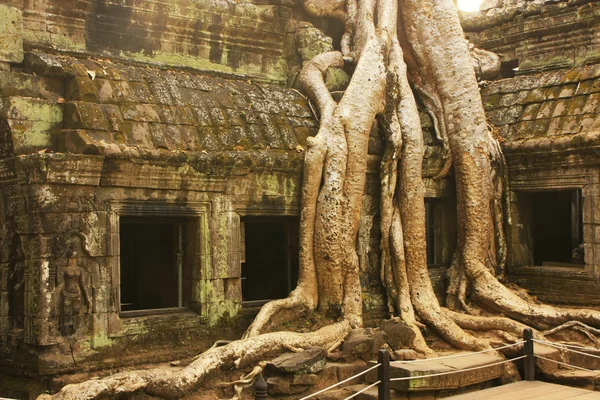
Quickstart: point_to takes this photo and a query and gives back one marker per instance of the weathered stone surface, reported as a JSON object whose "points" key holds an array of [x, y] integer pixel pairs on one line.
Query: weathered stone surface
{"points": [[404, 355], [357, 345], [513, 28], [225, 36], [308, 361], [11, 34], [305, 379], [282, 385], [362, 343], [454, 378], [398, 332], [312, 41]]}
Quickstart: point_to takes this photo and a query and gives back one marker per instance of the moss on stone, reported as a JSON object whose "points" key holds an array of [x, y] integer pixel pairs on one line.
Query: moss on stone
{"points": [[277, 72]]}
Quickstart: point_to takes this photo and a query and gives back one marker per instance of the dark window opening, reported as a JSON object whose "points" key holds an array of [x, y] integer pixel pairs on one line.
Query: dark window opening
{"points": [[335, 30], [269, 258], [508, 69], [151, 263], [430, 230], [557, 227]]}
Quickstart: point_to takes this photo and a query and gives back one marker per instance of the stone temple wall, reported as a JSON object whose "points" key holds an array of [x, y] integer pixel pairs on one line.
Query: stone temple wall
{"points": [[229, 36], [546, 112]]}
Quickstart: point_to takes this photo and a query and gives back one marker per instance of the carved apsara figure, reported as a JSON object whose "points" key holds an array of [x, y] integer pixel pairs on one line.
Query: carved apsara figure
{"points": [[73, 296]]}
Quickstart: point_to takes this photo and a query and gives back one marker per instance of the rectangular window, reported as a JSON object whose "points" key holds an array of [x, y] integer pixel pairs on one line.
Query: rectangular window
{"points": [[269, 258], [152, 269], [557, 227]]}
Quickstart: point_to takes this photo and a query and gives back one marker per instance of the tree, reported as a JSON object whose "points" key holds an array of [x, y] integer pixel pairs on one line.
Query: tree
{"points": [[395, 46]]}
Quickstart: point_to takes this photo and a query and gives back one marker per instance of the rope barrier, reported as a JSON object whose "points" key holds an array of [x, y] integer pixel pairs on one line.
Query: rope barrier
{"points": [[568, 365], [569, 347], [406, 378], [423, 376], [520, 342], [362, 390], [342, 382]]}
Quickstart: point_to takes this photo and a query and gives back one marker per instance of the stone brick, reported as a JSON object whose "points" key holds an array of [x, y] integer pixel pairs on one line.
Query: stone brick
{"points": [[537, 95], [556, 126], [30, 136], [138, 133], [11, 34], [589, 86], [82, 115], [571, 125], [577, 105], [587, 123], [546, 109], [140, 92], [530, 112], [81, 88], [509, 99], [140, 112], [593, 104], [567, 91], [596, 232], [233, 289], [540, 127], [561, 108], [113, 117], [25, 85], [22, 108]]}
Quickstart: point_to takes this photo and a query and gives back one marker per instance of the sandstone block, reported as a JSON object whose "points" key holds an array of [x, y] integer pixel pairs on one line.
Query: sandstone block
{"points": [[283, 386], [11, 34], [309, 361], [400, 335]]}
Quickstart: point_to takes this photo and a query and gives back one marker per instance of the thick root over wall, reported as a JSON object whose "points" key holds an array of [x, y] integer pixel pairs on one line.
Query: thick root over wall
{"points": [[395, 46]]}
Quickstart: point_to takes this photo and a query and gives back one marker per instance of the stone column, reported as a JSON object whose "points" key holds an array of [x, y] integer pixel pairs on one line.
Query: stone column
{"points": [[220, 287]]}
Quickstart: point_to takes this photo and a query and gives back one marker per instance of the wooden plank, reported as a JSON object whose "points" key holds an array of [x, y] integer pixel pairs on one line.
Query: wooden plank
{"points": [[588, 396], [566, 393], [504, 389], [529, 392], [526, 390]]}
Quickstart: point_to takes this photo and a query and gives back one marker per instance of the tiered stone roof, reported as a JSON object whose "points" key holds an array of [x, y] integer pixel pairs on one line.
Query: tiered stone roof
{"points": [[552, 110]]}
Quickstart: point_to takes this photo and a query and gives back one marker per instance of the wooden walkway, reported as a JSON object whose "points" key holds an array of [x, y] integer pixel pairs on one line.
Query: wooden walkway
{"points": [[534, 390]]}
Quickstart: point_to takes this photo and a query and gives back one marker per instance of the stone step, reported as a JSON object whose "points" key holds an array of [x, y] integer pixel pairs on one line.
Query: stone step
{"points": [[582, 360], [545, 366], [569, 357], [400, 369], [560, 374], [576, 378]]}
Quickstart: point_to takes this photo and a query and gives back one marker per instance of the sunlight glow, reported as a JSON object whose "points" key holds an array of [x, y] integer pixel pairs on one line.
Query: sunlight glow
{"points": [[469, 5]]}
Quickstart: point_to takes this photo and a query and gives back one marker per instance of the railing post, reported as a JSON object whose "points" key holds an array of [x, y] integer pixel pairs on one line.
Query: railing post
{"points": [[529, 360], [383, 375], [260, 388]]}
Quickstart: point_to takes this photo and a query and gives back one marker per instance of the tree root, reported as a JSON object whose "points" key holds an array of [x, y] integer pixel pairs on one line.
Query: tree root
{"points": [[480, 323], [244, 381], [587, 330], [173, 385]]}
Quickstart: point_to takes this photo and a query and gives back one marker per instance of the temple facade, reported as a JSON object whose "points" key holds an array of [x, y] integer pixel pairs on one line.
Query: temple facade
{"points": [[151, 160]]}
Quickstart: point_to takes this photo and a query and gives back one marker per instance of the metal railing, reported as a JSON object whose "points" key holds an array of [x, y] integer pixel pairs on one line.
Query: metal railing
{"points": [[383, 369]]}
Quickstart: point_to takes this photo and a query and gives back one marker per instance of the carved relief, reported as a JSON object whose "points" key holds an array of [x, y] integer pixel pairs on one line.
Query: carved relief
{"points": [[73, 300], [16, 286]]}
